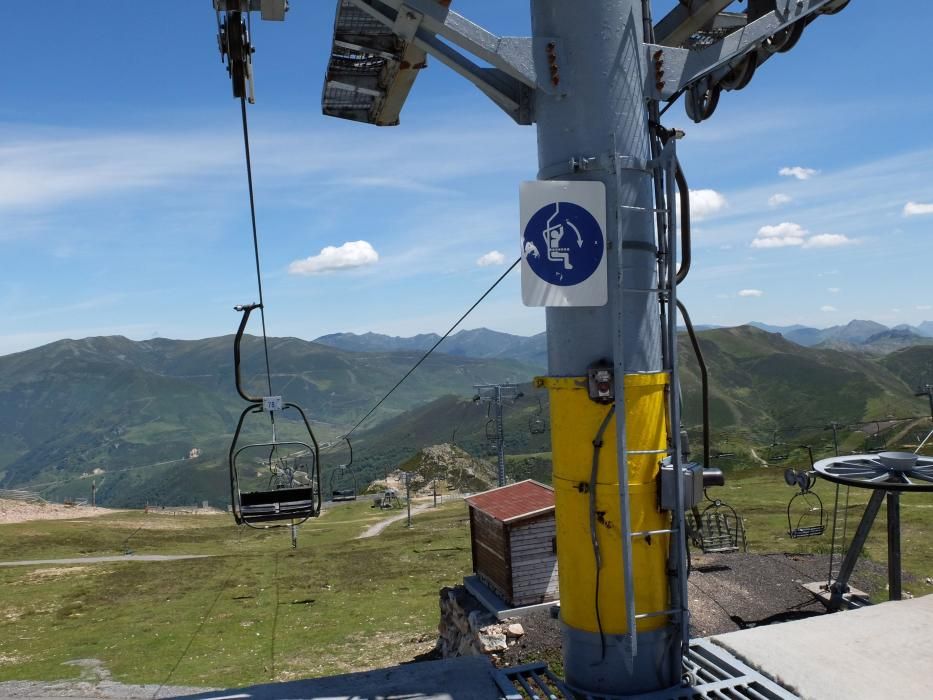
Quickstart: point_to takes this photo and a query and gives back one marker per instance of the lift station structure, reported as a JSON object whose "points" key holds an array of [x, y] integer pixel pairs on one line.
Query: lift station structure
{"points": [[604, 248]]}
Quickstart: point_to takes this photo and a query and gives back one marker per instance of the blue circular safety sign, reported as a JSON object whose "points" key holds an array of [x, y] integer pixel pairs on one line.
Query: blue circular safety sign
{"points": [[563, 244]]}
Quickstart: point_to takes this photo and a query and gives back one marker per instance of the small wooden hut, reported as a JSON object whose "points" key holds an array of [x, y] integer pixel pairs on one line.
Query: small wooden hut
{"points": [[513, 539]]}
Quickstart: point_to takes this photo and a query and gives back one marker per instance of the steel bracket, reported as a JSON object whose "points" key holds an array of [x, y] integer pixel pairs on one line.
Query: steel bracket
{"points": [[512, 80], [677, 69]]}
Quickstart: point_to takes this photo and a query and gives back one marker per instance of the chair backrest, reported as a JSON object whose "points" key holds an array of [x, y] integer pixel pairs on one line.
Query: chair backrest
{"points": [[721, 530]]}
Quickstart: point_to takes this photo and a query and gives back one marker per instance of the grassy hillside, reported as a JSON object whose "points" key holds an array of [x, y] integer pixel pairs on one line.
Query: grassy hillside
{"points": [[111, 404], [135, 409], [257, 610]]}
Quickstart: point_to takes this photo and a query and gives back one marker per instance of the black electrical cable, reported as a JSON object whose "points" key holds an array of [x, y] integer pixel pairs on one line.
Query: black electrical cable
{"points": [[252, 214], [597, 555], [704, 381], [432, 349]]}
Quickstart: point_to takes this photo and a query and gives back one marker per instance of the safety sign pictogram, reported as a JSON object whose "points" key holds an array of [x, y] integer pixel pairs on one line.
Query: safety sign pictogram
{"points": [[563, 243]]}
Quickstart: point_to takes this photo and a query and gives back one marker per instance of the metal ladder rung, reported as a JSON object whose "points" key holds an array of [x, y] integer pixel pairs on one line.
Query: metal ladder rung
{"points": [[646, 533], [676, 612], [648, 452], [651, 209]]}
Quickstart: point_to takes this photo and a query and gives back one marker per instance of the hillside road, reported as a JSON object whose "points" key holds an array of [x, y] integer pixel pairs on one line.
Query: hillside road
{"points": [[374, 530], [101, 560]]}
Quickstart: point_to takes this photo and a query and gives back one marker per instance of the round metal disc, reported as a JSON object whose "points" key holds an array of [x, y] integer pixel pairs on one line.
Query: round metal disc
{"points": [[873, 471]]}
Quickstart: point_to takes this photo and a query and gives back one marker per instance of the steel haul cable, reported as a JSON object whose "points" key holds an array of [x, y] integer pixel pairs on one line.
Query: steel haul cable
{"points": [[197, 631], [432, 349], [252, 214]]}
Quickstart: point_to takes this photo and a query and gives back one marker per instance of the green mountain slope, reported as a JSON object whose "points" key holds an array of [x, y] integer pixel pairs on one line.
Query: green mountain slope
{"points": [[111, 404], [126, 414]]}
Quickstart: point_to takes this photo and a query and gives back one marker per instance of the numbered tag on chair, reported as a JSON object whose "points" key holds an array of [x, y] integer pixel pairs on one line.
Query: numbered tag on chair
{"points": [[271, 403]]}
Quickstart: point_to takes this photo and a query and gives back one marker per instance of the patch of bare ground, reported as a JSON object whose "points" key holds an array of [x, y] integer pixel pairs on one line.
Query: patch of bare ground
{"points": [[21, 512], [378, 650]]}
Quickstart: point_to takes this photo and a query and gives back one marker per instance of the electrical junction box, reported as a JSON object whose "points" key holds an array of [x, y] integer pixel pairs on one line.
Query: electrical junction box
{"points": [[691, 485]]}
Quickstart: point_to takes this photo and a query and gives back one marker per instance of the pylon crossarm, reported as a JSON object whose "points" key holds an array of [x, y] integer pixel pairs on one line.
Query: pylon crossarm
{"points": [[270, 10], [685, 19], [700, 48], [436, 30]]}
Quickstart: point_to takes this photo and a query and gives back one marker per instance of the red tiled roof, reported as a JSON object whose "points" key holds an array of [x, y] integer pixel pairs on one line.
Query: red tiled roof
{"points": [[515, 501]]}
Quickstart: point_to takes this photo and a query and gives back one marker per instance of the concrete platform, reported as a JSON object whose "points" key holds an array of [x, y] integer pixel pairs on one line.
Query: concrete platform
{"points": [[881, 651], [464, 678], [498, 607]]}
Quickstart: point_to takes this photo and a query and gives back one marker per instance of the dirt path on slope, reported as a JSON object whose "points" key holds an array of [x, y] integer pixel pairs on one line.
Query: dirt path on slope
{"points": [[374, 530]]}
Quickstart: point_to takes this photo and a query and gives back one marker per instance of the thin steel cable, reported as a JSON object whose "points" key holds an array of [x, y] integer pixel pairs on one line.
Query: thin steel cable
{"points": [[275, 614], [432, 349], [252, 214], [197, 631]]}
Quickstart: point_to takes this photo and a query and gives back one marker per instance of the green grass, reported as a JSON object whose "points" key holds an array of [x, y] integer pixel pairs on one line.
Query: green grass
{"points": [[256, 611]]}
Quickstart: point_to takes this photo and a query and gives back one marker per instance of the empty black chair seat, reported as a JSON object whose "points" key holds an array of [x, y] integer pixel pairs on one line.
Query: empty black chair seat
{"points": [[279, 504]]}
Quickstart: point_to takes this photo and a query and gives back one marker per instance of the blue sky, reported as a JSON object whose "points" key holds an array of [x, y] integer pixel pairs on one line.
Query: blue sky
{"points": [[123, 206]]}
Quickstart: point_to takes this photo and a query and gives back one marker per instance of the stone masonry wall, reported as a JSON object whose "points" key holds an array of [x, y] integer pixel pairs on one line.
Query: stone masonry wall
{"points": [[466, 628]]}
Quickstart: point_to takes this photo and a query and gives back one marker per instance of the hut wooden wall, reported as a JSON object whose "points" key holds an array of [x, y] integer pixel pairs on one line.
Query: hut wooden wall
{"points": [[533, 561], [491, 552]]}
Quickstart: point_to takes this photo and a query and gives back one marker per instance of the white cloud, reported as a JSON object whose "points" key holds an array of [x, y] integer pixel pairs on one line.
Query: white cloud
{"points": [[778, 199], [833, 290], [798, 172], [776, 242], [917, 209], [493, 257], [827, 240], [785, 229], [349, 255], [41, 169], [828, 309], [780, 236], [787, 234], [706, 203], [750, 293], [389, 183]]}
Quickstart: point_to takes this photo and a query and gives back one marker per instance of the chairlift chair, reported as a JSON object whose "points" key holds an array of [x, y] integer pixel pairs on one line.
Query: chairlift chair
{"points": [[285, 498], [343, 482], [807, 518], [490, 429], [776, 455], [718, 528], [536, 423]]}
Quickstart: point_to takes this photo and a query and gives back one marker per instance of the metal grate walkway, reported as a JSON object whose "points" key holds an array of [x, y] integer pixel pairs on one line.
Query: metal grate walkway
{"points": [[717, 675]]}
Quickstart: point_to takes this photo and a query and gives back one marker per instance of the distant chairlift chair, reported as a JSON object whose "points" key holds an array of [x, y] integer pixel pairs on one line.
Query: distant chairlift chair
{"points": [[290, 463], [718, 528], [806, 518], [536, 423], [343, 483]]}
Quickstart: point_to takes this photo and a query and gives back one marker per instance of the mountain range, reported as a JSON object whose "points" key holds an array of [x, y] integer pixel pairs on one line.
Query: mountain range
{"points": [[860, 336], [127, 415], [479, 342]]}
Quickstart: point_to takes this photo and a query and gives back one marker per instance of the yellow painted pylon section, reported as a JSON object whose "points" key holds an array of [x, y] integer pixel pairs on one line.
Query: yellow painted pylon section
{"points": [[575, 422]]}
